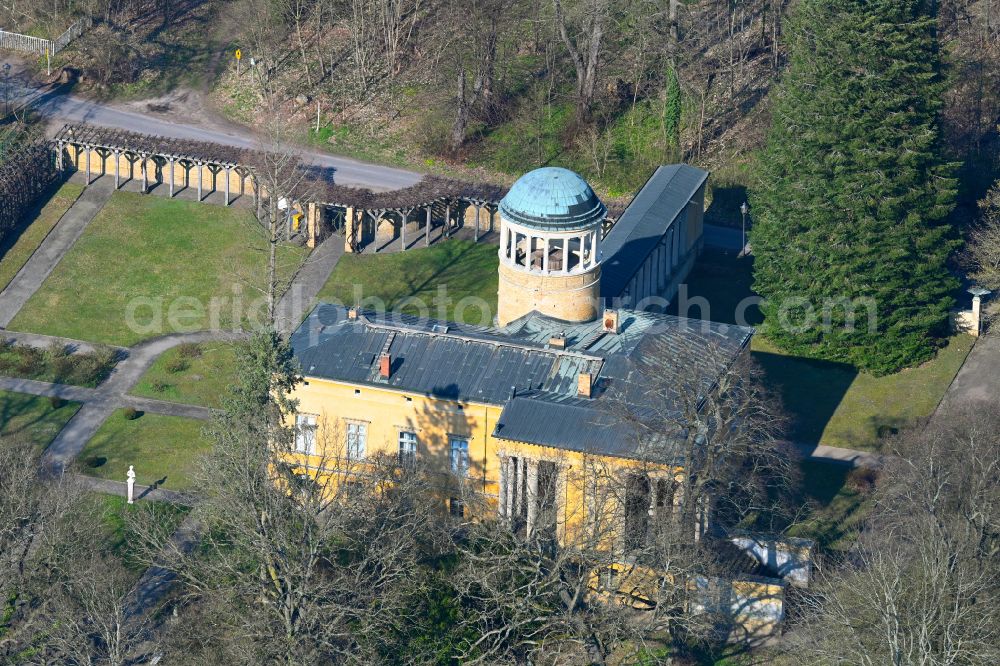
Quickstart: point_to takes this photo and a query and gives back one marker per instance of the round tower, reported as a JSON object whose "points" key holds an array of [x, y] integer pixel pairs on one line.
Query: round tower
{"points": [[550, 247]]}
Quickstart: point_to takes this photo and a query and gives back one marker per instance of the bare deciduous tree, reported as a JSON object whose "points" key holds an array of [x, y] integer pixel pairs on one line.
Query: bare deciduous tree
{"points": [[922, 584]]}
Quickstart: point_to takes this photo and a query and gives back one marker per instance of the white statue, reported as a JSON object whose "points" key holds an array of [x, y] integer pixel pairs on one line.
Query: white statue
{"points": [[130, 483]]}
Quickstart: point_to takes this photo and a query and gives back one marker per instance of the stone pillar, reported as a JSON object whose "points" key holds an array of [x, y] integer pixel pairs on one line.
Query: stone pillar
{"points": [[402, 229], [145, 179], [350, 233], [532, 498], [201, 172], [476, 231], [312, 220], [561, 509], [117, 168], [565, 266], [59, 155], [427, 227], [447, 219], [545, 254], [88, 165], [518, 485], [171, 162], [228, 171], [594, 246], [977, 312], [502, 487]]}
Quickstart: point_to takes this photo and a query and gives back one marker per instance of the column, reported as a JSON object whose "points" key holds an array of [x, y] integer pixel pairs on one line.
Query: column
{"points": [[565, 266], [594, 245], [447, 218], [427, 227], [117, 168], [88, 165], [170, 161], [104, 162], [59, 155], [512, 245], [545, 254], [532, 496], [518, 485], [228, 170], [502, 487], [201, 172], [402, 229], [145, 180], [476, 232], [561, 509], [349, 230]]}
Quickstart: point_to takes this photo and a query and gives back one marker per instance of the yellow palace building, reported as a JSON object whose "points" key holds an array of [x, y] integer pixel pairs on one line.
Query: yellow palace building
{"points": [[519, 412]]}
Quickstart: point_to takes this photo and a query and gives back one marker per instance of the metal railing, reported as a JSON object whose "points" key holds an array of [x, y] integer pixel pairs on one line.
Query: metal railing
{"points": [[17, 42]]}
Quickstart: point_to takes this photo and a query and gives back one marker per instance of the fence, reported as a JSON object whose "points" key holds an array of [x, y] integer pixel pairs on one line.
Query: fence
{"points": [[17, 42]]}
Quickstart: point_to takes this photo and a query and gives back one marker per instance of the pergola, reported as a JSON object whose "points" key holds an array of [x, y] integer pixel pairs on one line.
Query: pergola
{"points": [[141, 149], [170, 161]]}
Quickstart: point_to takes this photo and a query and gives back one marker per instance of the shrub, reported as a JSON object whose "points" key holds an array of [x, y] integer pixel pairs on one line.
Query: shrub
{"points": [[176, 365], [131, 413], [56, 402], [159, 385], [189, 350]]}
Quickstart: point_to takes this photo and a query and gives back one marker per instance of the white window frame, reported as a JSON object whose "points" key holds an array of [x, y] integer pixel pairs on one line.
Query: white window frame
{"points": [[305, 433], [456, 468], [407, 448], [357, 441]]}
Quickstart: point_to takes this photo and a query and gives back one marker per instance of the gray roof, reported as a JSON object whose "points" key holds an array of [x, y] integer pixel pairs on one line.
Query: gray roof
{"points": [[514, 367], [647, 218]]}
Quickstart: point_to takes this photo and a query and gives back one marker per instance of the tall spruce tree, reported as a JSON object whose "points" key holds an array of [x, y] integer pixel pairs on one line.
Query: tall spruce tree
{"points": [[850, 239]]}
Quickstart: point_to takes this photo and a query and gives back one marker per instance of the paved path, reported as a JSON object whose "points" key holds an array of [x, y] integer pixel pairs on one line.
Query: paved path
{"points": [[45, 341], [148, 493], [54, 102], [977, 383], [44, 259], [99, 403], [308, 281]]}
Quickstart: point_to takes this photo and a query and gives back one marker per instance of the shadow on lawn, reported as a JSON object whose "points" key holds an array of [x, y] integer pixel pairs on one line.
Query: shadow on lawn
{"points": [[810, 391]]}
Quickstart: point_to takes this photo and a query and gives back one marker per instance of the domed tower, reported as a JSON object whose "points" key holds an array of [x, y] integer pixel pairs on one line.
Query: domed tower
{"points": [[550, 247]]}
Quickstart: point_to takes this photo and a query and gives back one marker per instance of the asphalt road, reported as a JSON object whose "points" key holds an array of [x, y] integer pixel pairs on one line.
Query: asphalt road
{"points": [[70, 108]]}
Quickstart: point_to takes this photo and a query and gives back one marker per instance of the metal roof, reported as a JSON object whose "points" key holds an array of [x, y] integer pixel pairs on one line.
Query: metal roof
{"points": [[513, 367], [553, 199], [647, 218]]}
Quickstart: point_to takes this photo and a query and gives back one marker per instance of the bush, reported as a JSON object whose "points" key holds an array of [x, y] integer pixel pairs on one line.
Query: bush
{"points": [[131, 413], [56, 402], [176, 365], [159, 385], [189, 350]]}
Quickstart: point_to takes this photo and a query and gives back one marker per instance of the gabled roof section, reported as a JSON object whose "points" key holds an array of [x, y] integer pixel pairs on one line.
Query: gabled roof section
{"points": [[660, 201], [515, 368]]}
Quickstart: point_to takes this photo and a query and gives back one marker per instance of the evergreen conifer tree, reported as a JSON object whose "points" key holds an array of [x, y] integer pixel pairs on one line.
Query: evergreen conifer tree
{"points": [[853, 194]]}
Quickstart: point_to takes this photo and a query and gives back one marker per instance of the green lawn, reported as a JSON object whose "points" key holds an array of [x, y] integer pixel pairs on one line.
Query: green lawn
{"points": [[32, 419], [17, 248], [147, 266], [196, 375], [455, 280], [163, 449], [826, 402]]}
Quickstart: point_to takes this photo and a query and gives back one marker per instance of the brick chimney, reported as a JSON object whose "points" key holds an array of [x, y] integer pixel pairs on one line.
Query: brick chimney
{"points": [[611, 321], [385, 366], [584, 384], [557, 342]]}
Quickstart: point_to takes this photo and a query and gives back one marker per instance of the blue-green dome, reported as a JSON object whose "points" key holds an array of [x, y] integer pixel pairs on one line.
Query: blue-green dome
{"points": [[553, 199]]}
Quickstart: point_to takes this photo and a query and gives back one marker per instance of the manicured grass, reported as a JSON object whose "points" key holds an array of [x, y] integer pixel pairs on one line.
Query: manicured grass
{"points": [[17, 247], [32, 419], [826, 402], [196, 375], [147, 266], [163, 449], [834, 404], [454, 280]]}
